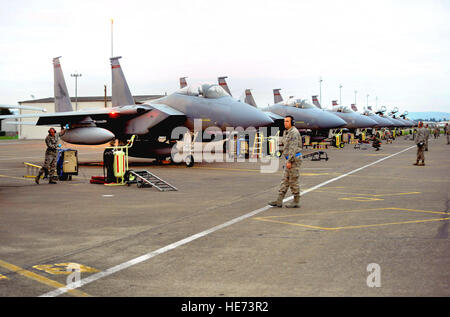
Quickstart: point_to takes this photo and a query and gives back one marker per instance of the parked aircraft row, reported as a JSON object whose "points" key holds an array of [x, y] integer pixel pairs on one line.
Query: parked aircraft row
{"points": [[212, 103], [314, 117]]}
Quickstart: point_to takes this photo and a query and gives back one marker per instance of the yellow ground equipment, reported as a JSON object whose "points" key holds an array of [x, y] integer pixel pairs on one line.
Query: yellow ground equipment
{"points": [[338, 140], [32, 170], [116, 163], [261, 140]]}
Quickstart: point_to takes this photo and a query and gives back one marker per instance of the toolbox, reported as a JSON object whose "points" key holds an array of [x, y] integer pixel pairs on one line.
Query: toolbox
{"points": [[67, 164]]}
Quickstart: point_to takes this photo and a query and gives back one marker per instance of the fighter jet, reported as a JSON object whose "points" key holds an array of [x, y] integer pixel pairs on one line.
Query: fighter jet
{"points": [[353, 119], [381, 121], [395, 123], [151, 121], [392, 114], [306, 115], [403, 116], [316, 122], [380, 112]]}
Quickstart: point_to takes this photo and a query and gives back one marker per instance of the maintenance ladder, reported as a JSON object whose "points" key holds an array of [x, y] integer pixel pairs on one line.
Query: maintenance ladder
{"points": [[145, 178]]}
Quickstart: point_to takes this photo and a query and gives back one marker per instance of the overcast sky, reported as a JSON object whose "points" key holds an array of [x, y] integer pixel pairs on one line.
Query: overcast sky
{"points": [[398, 51]]}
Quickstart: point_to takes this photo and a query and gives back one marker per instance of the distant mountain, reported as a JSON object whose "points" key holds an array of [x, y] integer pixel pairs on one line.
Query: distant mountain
{"points": [[429, 115]]}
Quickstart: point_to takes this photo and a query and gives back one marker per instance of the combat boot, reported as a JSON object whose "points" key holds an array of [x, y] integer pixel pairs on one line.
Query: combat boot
{"points": [[417, 163], [38, 177], [277, 203], [51, 180], [295, 203]]}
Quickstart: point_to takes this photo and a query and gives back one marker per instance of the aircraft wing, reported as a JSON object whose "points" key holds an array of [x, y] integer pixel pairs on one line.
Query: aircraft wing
{"points": [[148, 115], [23, 107], [274, 116], [63, 118], [160, 117], [169, 111]]}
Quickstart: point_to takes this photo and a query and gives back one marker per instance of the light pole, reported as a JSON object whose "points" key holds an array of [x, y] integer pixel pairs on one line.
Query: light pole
{"points": [[340, 95], [320, 90], [367, 101], [355, 97], [76, 75]]}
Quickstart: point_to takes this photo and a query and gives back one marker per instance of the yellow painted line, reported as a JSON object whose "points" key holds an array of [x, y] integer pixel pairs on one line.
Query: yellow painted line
{"points": [[389, 223], [62, 268], [272, 218], [424, 211], [21, 178], [372, 195], [357, 210], [2, 277], [289, 223], [39, 278], [326, 213], [397, 194], [253, 170], [402, 178], [361, 199]]}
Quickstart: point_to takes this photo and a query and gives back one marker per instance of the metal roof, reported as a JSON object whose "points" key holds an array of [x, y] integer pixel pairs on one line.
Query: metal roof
{"points": [[139, 98]]}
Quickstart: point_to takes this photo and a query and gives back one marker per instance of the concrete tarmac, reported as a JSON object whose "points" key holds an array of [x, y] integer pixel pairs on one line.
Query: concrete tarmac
{"points": [[370, 224]]}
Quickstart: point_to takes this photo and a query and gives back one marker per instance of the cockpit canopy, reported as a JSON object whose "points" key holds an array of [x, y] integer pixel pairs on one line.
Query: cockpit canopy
{"points": [[343, 109], [298, 103], [205, 91]]}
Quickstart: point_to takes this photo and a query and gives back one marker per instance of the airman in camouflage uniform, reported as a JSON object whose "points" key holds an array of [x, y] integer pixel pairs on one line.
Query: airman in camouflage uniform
{"points": [[50, 155], [427, 136], [292, 142], [447, 132], [420, 140]]}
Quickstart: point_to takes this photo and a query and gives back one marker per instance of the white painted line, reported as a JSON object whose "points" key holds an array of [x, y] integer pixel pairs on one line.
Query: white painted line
{"points": [[189, 239], [107, 195]]}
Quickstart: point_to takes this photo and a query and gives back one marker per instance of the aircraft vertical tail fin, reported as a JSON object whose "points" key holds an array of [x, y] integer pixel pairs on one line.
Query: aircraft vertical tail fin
{"points": [[277, 96], [334, 103], [121, 94], [62, 98], [249, 98], [223, 84], [183, 82], [354, 108], [316, 102]]}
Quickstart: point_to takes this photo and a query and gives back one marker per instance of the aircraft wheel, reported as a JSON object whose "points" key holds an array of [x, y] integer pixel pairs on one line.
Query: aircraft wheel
{"points": [[189, 161]]}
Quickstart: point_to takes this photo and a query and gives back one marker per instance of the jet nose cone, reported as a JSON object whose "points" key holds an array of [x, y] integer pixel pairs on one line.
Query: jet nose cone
{"points": [[261, 119], [366, 122], [247, 116], [330, 121]]}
